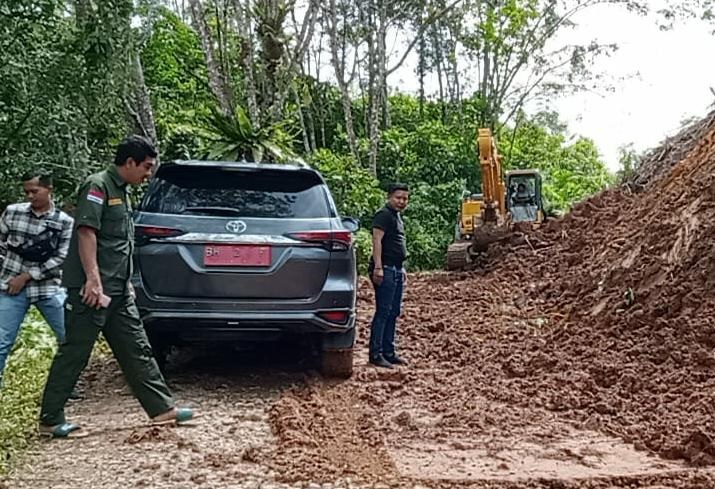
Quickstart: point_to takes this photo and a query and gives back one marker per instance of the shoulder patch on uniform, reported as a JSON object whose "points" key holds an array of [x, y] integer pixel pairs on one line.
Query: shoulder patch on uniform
{"points": [[96, 196], [115, 201]]}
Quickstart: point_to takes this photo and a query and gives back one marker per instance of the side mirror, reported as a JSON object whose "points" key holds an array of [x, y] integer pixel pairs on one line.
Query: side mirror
{"points": [[351, 224]]}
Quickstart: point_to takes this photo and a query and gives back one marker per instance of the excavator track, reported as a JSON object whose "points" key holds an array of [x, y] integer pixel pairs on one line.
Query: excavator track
{"points": [[459, 255], [462, 254]]}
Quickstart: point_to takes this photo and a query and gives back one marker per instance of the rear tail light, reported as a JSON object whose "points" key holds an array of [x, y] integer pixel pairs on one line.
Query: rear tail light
{"points": [[332, 240], [146, 232], [337, 317]]}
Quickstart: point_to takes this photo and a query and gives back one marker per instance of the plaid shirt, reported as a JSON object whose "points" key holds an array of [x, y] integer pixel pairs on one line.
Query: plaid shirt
{"points": [[18, 223]]}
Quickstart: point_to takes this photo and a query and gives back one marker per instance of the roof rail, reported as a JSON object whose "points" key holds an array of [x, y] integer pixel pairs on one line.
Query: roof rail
{"points": [[294, 161]]}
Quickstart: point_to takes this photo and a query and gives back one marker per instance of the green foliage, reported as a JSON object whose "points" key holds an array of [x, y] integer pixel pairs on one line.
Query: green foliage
{"points": [[355, 190], [356, 193], [429, 219], [233, 137], [513, 39], [61, 86], [429, 223], [39, 104], [431, 152], [176, 73], [363, 249], [24, 379]]}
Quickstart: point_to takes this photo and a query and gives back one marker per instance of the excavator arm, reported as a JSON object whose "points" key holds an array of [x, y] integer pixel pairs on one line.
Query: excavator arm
{"points": [[492, 182], [481, 218]]}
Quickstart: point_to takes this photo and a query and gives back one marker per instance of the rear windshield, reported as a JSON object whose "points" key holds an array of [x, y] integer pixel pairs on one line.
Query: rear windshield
{"points": [[213, 191]]}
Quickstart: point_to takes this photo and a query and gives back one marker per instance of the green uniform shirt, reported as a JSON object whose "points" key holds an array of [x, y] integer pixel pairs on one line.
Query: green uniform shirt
{"points": [[103, 205]]}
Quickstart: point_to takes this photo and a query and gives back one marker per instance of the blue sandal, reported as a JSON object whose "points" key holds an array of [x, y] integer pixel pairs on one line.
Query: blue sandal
{"points": [[64, 430], [183, 415]]}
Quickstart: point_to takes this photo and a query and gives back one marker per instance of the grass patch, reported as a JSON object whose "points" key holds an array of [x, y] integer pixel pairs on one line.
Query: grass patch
{"points": [[24, 380]]}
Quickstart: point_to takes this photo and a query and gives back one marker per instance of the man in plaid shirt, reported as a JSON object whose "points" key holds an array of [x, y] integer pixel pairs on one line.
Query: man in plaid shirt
{"points": [[23, 281]]}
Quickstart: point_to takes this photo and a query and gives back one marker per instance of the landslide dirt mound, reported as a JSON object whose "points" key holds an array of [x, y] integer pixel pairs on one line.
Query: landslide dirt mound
{"points": [[674, 149], [633, 276], [603, 321]]}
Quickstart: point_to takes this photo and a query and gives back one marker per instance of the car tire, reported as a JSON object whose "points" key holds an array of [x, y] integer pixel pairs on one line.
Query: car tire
{"points": [[336, 354], [337, 363]]}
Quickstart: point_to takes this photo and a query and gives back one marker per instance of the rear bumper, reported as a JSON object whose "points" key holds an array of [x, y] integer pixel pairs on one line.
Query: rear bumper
{"points": [[203, 326], [198, 319]]}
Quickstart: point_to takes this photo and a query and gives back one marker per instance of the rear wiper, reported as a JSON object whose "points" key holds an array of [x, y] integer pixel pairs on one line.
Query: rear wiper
{"points": [[221, 211]]}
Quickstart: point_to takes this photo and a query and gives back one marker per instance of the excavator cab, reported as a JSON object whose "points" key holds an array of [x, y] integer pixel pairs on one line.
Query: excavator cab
{"points": [[524, 202]]}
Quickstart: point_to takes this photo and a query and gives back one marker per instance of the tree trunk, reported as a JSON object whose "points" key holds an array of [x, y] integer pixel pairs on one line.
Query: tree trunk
{"points": [[301, 118], [293, 58], [245, 31], [339, 63], [139, 104], [378, 73], [484, 88], [81, 13], [421, 70], [217, 81], [387, 117], [457, 85], [310, 123], [438, 62]]}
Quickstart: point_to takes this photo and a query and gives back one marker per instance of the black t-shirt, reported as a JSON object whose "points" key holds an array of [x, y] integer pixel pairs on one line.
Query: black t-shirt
{"points": [[394, 249]]}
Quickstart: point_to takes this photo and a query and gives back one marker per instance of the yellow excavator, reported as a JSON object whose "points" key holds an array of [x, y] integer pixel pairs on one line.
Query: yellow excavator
{"points": [[505, 200]]}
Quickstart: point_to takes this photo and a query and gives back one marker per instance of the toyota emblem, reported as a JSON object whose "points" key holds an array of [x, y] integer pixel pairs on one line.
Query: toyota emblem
{"points": [[236, 227]]}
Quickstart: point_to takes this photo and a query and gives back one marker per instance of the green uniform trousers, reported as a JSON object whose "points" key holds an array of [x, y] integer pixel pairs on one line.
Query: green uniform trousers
{"points": [[122, 327]]}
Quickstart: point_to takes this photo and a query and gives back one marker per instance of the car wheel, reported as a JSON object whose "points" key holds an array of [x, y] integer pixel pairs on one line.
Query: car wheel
{"points": [[337, 363], [336, 354]]}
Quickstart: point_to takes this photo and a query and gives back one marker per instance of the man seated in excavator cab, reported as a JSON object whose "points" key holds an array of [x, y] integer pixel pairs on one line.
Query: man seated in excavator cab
{"points": [[523, 204], [522, 197]]}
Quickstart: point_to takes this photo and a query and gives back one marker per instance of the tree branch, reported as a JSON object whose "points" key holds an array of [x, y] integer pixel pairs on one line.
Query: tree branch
{"points": [[426, 23]]}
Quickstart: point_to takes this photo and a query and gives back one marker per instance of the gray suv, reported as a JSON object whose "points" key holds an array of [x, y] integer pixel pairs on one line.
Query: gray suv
{"points": [[236, 251]]}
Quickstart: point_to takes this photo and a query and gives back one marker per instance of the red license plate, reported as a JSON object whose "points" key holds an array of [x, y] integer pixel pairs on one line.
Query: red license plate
{"points": [[237, 255]]}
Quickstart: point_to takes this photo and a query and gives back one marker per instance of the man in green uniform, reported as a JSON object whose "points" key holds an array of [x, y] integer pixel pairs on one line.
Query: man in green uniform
{"points": [[100, 297]]}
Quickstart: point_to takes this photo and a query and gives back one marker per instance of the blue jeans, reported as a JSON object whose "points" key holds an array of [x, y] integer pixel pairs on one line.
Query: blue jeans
{"points": [[13, 309], [388, 302]]}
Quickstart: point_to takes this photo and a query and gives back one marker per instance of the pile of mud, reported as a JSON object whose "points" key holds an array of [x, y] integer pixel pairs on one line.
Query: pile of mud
{"points": [[601, 322]]}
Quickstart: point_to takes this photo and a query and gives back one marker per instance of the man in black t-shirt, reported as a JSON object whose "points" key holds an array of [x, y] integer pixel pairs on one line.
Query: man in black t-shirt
{"points": [[388, 276]]}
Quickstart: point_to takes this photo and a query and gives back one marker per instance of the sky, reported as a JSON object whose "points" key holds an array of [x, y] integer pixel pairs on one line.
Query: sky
{"points": [[667, 78], [661, 78]]}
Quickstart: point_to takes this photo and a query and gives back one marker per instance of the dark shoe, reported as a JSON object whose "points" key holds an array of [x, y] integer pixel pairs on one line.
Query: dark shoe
{"points": [[74, 395], [395, 360], [379, 361]]}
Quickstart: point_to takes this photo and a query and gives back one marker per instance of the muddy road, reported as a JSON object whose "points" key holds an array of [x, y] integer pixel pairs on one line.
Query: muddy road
{"points": [[461, 415], [228, 446]]}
